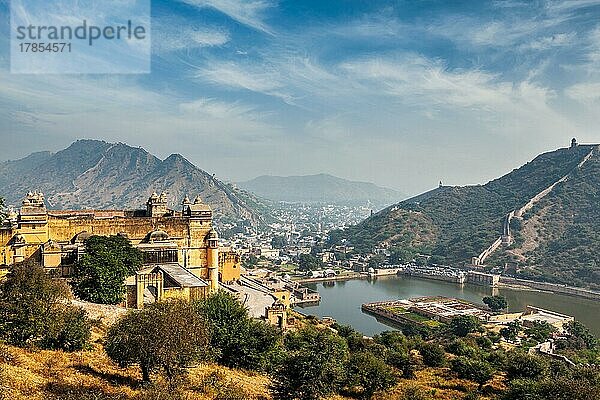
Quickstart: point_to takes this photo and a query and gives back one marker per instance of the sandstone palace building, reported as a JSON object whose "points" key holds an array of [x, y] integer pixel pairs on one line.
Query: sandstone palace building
{"points": [[181, 250]]}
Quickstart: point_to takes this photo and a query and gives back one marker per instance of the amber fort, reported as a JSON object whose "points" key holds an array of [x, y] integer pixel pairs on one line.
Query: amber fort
{"points": [[182, 256]]}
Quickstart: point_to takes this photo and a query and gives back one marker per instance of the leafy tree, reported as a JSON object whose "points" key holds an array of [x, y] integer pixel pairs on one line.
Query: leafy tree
{"points": [[433, 354], [401, 255], [580, 336], [369, 373], [461, 347], [392, 340], [495, 303], [511, 330], [238, 340], [69, 332], [540, 331], [308, 262], [402, 361], [475, 370], [100, 273], [312, 367], [522, 389], [34, 310], [465, 324], [165, 336], [353, 337], [278, 242], [376, 261], [522, 365], [250, 262], [484, 342]]}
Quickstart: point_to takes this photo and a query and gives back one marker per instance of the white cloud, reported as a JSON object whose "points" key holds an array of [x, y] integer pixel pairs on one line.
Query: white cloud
{"points": [[548, 42], [184, 38], [172, 33], [255, 78], [217, 109], [246, 12], [586, 93], [416, 80], [570, 5]]}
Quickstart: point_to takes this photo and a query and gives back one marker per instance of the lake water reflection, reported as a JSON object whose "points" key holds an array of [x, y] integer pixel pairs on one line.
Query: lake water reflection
{"points": [[342, 300]]}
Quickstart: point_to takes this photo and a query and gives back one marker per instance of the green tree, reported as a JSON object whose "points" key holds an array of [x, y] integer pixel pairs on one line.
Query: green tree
{"points": [[100, 273], [511, 330], [580, 336], [354, 338], [278, 242], [238, 340], [495, 303], [540, 331], [369, 373], [465, 324], [308, 262], [70, 331], [313, 365], [35, 311], [475, 370], [522, 365], [433, 354], [402, 361], [461, 347], [250, 262], [376, 261], [402, 255], [165, 336]]}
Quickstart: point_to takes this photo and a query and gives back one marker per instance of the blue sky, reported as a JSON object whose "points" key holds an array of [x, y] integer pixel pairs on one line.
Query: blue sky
{"points": [[400, 93]]}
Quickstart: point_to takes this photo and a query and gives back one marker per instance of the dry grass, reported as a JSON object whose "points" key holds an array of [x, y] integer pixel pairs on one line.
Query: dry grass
{"points": [[90, 375], [32, 375]]}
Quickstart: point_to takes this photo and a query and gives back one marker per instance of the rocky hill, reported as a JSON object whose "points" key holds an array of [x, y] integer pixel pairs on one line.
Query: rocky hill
{"points": [[96, 174], [321, 188], [556, 238]]}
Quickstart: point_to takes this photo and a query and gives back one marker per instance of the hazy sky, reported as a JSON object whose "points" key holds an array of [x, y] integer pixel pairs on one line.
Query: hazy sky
{"points": [[400, 93]]}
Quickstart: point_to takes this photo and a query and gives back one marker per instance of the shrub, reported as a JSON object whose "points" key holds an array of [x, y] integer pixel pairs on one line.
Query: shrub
{"points": [[521, 365], [433, 355], [474, 370], [238, 340], [312, 367], [34, 311], [369, 373], [402, 361], [460, 347], [72, 331]]}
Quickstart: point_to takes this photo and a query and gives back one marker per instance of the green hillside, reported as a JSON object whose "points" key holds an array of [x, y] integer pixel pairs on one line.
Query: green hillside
{"points": [[454, 224]]}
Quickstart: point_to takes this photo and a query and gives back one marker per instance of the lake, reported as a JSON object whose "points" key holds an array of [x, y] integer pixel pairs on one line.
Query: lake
{"points": [[342, 300]]}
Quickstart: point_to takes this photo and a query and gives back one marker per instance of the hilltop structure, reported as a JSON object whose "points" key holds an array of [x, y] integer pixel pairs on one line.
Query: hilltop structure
{"points": [[182, 257]]}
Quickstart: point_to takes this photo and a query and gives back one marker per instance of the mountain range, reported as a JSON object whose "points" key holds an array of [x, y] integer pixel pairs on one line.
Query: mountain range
{"points": [[97, 174], [320, 188], [550, 207]]}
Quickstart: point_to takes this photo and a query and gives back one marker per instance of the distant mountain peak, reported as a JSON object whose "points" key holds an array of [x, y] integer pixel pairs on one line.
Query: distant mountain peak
{"points": [[320, 188], [97, 174]]}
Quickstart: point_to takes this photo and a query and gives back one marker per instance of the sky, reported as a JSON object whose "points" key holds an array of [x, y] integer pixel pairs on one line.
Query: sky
{"points": [[400, 93]]}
